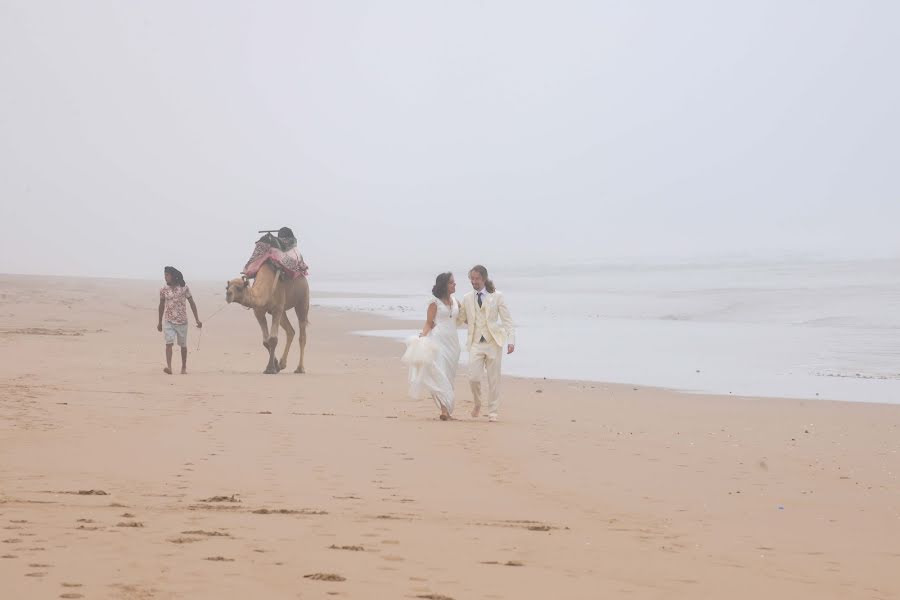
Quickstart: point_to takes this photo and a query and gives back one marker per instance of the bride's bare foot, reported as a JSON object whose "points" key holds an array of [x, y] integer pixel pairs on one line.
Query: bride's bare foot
{"points": [[167, 370], [476, 412], [445, 417]]}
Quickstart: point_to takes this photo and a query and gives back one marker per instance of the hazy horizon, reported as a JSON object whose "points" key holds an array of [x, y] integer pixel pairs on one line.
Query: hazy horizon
{"points": [[430, 135]]}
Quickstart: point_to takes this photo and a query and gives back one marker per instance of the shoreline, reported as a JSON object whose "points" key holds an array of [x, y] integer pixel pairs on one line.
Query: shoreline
{"points": [[753, 359], [385, 323]]}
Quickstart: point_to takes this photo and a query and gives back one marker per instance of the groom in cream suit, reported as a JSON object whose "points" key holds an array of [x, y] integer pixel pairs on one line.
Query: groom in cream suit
{"points": [[490, 327]]}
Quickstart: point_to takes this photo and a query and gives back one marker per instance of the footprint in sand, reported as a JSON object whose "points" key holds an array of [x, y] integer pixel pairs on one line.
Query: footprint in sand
{"points": [[207, 533], [509, 563], [134, 591], [392, 558]]}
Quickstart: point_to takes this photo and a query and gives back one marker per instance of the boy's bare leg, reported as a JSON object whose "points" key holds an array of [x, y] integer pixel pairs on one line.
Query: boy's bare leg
{"points": [[168, 369], [183, 360]]}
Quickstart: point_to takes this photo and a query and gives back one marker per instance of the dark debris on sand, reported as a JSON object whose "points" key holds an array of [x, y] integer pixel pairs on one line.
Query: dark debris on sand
{"points": [[325, 577], [230, 498]]}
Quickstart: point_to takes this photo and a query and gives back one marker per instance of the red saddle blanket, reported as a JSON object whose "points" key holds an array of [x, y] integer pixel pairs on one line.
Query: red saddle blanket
{"points": [[290, 261]]}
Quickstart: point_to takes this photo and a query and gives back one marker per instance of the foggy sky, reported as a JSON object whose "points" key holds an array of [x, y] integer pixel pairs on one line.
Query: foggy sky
{"points": [[426, 134]]}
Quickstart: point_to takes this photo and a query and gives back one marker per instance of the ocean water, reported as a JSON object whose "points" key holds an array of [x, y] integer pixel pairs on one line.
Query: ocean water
{"points": [[828, 330]]}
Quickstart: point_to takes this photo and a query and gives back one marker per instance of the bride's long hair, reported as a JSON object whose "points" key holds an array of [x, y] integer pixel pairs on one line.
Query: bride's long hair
{"points": [[441, 287], [488, 284]]}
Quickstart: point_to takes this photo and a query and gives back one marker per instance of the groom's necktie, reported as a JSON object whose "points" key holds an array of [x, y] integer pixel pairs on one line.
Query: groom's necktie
{"points": [[479, 306]]}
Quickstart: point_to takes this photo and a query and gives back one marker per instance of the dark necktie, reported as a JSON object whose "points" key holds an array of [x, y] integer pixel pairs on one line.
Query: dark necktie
{"points": [[479, 299]]}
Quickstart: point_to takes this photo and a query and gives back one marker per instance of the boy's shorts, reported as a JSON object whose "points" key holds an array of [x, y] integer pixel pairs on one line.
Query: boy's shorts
{"points": [[173, 332]]}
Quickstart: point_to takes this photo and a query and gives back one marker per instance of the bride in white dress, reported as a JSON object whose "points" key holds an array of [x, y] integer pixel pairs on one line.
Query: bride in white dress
{"points": [[434, 356]]}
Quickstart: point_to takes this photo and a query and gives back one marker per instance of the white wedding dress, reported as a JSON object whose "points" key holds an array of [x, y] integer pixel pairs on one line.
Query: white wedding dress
{"points": [[433, 359]]}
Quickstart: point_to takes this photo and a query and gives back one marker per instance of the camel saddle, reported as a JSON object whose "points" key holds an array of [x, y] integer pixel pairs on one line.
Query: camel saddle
{"points": [[281, 253]]}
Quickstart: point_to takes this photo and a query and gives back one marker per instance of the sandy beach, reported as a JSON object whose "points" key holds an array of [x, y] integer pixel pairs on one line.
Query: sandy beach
{"points": [[117, 481]]}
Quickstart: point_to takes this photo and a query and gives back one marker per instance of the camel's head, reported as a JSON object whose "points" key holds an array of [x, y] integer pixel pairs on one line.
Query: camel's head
{"points": [[235, 289]]}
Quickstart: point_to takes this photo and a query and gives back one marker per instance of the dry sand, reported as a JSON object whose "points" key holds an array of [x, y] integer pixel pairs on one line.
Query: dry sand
{"points": [[117, 481]]}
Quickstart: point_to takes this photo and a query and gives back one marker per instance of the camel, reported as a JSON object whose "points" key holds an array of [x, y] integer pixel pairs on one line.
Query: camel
{"points": [[270, 295]]}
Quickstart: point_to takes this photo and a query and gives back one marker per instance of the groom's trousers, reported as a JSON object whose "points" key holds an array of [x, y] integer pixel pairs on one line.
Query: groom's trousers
{"points": [[484, 359]]}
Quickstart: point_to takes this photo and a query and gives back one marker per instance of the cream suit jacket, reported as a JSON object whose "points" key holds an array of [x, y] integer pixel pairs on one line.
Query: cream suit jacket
{"points": [[499, 321]]}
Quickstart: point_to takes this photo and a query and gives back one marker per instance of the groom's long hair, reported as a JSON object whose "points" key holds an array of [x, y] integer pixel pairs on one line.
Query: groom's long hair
{"points": [[488, 284]]}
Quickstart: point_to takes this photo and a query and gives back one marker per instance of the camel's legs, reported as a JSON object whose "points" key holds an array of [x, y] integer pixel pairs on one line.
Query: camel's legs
{"points": [[288, 340], [269, 342], [301, 328], [277, 318], [263, 324]]}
